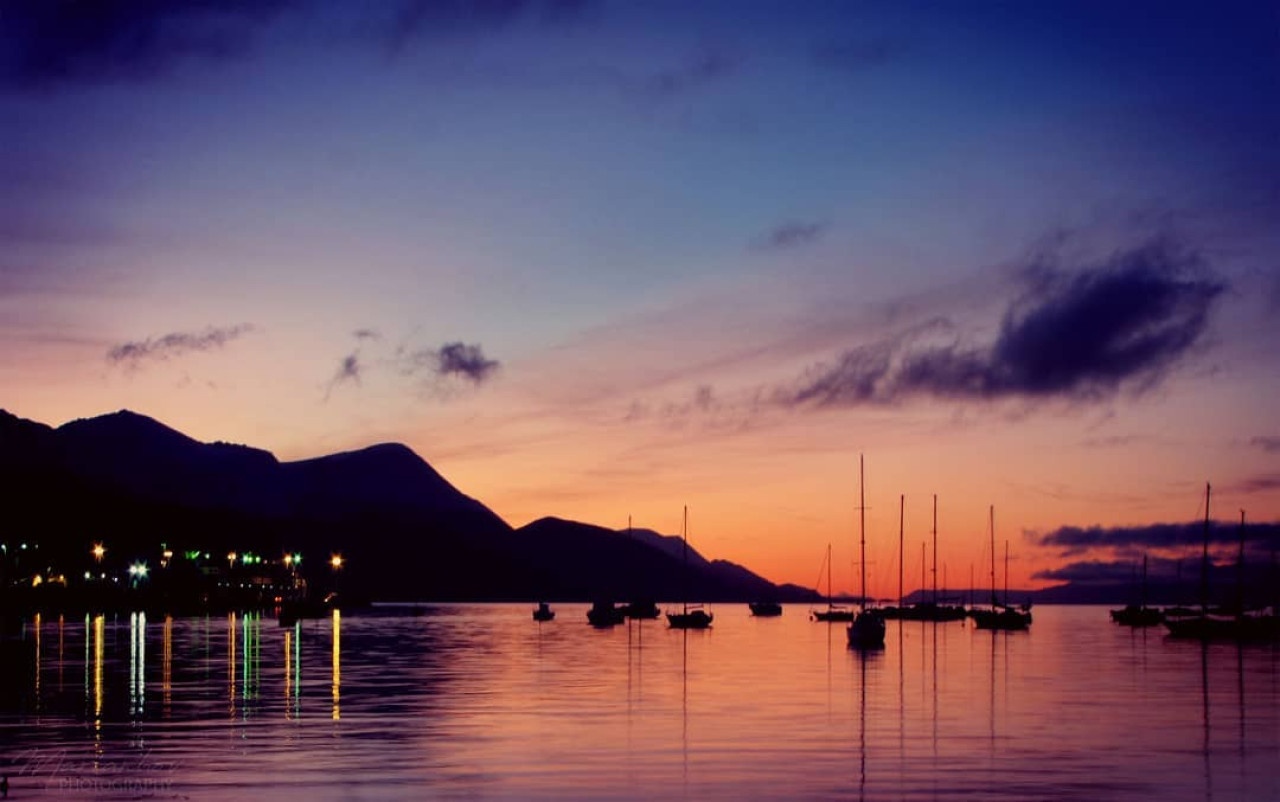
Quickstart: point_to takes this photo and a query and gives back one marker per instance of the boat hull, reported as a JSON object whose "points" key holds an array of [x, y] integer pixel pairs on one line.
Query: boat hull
{"points": [[1007, 619], [832, 616], [867, 631], [606, 615], [1134, 616], [765, 609], [694, 619]]}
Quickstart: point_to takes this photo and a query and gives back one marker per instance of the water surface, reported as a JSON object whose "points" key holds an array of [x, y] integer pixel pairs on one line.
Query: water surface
{"points": [[480, 701]]}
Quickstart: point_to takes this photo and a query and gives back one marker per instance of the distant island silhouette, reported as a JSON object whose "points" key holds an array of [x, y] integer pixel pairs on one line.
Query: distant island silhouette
{"points": [[404, 532]]}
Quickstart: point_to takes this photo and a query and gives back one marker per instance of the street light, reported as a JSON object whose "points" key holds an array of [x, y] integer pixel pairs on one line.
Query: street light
{"points": [[336, 561], [98, 551]]}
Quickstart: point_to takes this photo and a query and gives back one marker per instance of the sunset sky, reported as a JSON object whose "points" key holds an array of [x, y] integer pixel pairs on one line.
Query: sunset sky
{"points": [[606, 259]]}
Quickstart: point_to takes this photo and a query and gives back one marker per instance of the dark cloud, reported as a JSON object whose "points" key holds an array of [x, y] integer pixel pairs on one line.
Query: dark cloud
{"points": [[1267, 443], [1089, 572], [48, 42], [451, 359], [157, 349], [1071, 334], [465, 362], [858, 55], [348, 372], [1076, 540], [791, 234]]}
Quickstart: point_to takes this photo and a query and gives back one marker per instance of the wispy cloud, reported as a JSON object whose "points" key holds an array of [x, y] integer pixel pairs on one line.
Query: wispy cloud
{"points": [[1262, 483], [455, 359], [790, 235], [366, 334], [1079, 335], [706, 67], [1267, 443], [348, 372], [134, 354]]}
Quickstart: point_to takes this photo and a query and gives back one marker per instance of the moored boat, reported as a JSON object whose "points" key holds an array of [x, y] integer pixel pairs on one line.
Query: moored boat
{"points": [[605, 614], [765, 609]]}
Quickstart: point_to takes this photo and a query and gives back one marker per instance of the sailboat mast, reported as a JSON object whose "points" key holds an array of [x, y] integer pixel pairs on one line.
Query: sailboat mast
{"points": [[1144, 581], [935, 549], [902, 504], [862, 516], [1204, 557], [1006, 573], [828, 577], [1240, 570], [993, 555], [684, 579]]}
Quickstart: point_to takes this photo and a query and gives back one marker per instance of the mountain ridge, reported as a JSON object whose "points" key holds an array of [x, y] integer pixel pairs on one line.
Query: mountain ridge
{"points": [[403, 528]]}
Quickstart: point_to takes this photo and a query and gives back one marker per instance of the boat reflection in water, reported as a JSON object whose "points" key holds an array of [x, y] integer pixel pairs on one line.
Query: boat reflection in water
{"points": [[398, 706]]}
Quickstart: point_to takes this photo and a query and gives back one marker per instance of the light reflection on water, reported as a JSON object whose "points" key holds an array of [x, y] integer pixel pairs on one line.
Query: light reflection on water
{"points": [[480, 700]]}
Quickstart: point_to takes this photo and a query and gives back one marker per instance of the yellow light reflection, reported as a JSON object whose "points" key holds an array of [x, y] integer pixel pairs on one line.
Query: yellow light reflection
{"points": [[337, 669], [288, 674], [166, 664], [231, 664], [99, 626]]}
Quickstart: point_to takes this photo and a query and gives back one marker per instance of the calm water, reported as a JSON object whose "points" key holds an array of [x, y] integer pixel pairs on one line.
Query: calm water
{"points": [[478, 700]]}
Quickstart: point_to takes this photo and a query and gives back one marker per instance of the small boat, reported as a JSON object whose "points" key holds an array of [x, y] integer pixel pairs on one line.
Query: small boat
{"points": [[543, 612], [641, 609], [605, 614], [867, 630], [1139, 615], [1000, 616], [1135, 615], [833, 612], [696, 618], [765, 609]]}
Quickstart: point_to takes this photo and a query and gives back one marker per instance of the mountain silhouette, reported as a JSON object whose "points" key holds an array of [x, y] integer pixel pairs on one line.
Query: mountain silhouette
{"points": [[405, 532]]}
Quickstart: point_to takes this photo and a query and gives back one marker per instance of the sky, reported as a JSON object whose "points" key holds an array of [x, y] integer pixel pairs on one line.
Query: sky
{"points": [[606, 259]]}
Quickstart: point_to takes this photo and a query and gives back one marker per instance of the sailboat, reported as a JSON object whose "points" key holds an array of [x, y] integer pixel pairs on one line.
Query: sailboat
{"points": [[1000, 616], [639, 609], [1139, 615], [696, 618], [833, 612], [924, 610], [867, 630], [1210, 626], [543, 612]]}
